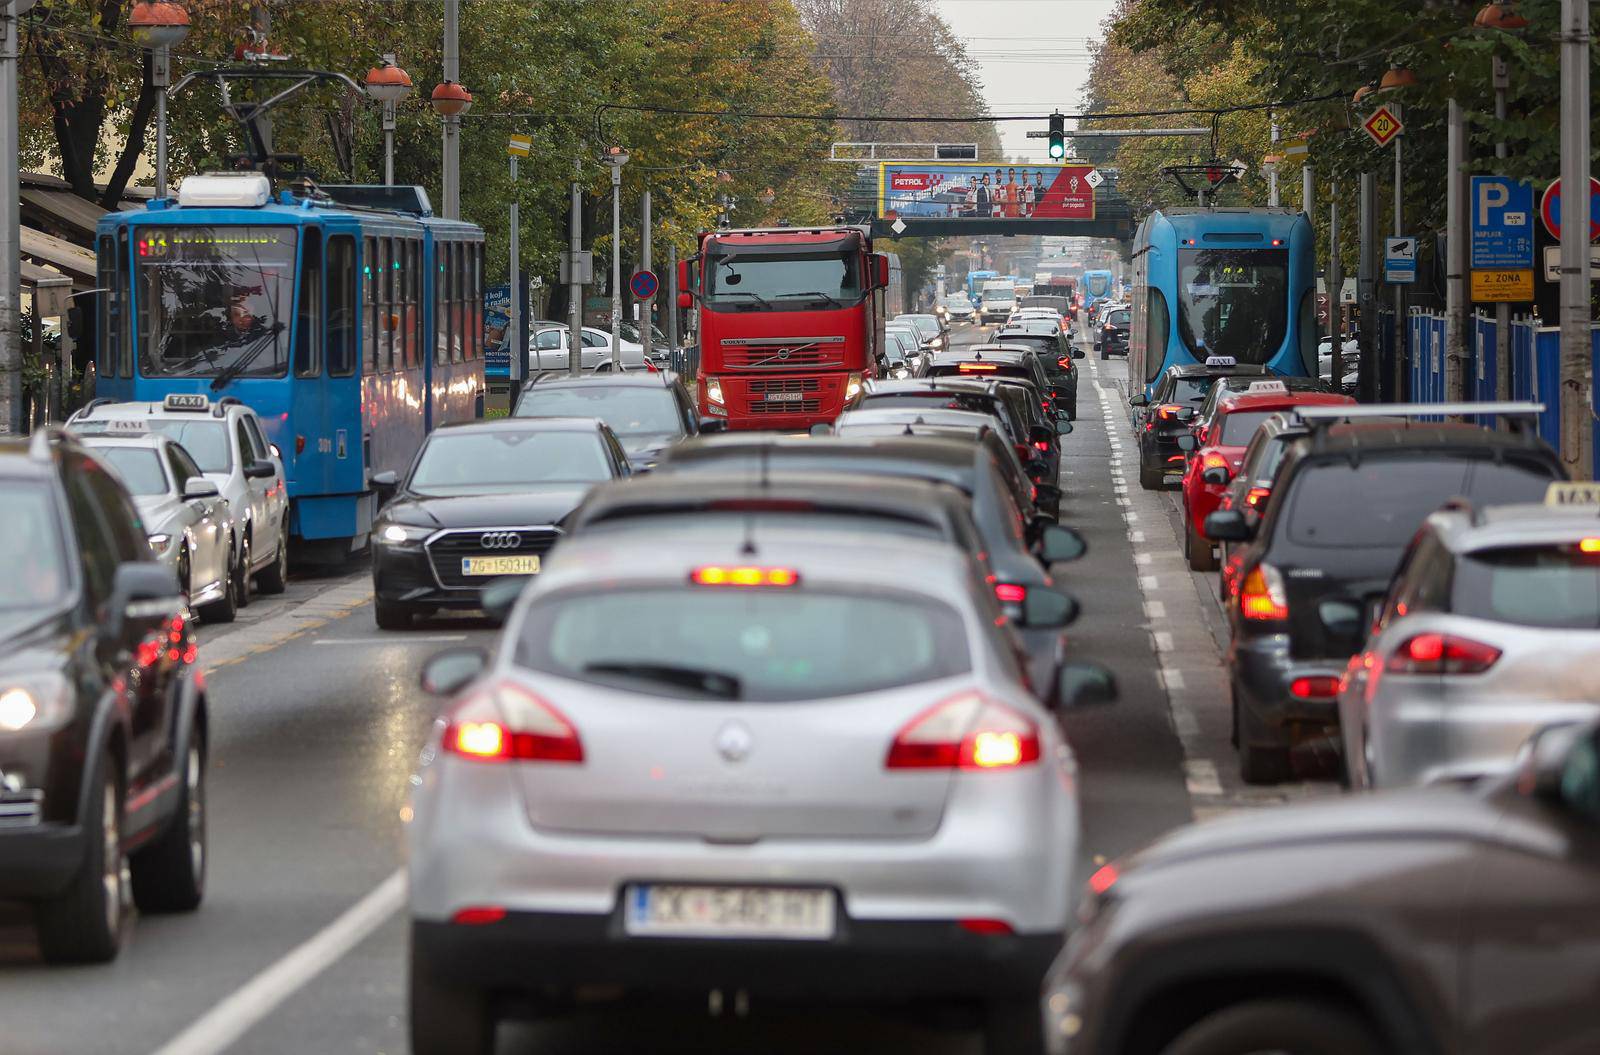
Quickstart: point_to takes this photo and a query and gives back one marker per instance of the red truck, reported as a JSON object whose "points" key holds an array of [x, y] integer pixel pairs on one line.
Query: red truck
{"points": [[791, 322]]}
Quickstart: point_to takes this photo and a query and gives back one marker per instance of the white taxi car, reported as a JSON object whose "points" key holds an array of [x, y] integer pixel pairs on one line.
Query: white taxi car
{"points": [[224, 437]]}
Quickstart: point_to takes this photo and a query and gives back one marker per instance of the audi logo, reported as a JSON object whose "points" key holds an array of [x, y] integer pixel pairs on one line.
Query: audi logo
{"points": [[500, 540]]}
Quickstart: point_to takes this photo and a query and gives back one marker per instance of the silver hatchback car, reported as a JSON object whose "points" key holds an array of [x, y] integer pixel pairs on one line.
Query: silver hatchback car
{"points": [[790, 769], [1490, 631]]}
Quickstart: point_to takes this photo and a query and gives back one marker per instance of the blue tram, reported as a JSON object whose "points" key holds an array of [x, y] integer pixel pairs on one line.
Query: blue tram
{"points": [[1238, 282], [1097, 286], [349, 319]]}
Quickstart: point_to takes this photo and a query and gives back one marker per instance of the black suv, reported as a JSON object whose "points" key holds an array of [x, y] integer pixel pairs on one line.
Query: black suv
{"points": [[1055, 353], [1344, 503], [1112, 336], [1170, 410], [102, 711]]}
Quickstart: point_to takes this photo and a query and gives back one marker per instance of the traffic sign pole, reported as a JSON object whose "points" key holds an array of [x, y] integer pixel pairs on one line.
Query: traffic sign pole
{"points": [[645, 335], [1577, 383]]}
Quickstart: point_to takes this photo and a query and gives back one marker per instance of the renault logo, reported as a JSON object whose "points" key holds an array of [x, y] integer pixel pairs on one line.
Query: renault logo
{"points": [[500, 540], [734, 742]]}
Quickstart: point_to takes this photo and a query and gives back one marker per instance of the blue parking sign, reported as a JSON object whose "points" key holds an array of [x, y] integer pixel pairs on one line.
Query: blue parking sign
{"points": [[1502, 222]]}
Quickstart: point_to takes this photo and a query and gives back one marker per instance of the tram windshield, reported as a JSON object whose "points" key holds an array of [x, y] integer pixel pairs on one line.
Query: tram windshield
{"points": [[1233, 302], [214, 301]]}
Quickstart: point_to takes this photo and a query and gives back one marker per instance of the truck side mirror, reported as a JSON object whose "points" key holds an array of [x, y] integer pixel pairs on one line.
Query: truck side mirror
{"points": [[882, 262], [685, 287]]}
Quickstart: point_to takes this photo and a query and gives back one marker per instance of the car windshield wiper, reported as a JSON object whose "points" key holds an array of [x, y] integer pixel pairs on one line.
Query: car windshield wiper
{"points": [[719, 294], [245, 358], [817, 294], [710, 682]]}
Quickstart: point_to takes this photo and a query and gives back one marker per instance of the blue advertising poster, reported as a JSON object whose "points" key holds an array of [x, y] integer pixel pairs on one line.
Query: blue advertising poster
{"points": [[496, 336], [1502, 223]]}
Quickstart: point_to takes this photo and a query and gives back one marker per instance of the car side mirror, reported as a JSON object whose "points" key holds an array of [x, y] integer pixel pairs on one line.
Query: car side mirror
{"points": [[1560, 762], [448, 672], [1187, 443], [710, 425], [1044, 608], [500, 597], [388, 479], [200, 487], [143, 592], [1140, 400], [1183, 414], [1081, 684], [1227, 525], [260, 471], [1078, 353], [882, 262], [1216, 475], [1063, 425], [1057, 544]]}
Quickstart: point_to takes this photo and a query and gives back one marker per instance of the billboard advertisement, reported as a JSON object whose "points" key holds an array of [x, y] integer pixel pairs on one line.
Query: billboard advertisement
{"points": [[496, 335], [986, 191]]}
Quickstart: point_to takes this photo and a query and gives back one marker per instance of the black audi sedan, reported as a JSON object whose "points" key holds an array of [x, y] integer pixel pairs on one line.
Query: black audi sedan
{"points": [[482, 501]]}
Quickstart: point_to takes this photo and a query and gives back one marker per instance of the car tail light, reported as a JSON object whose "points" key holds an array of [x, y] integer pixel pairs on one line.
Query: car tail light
{"points": [[965, 732], [1065, 362], [1010, 592], [1103, 880], [985, 926], [978, 368], [1214, 461], [1168, 411], [1314, 687], [504, 722], [1589, 545], [1432, 653], [1256, 496], [299, 445], [743, 575], [1040, 445], [1262, 597], [478, 915]]}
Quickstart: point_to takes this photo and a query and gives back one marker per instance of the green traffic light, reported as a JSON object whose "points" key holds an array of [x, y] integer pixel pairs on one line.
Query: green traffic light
{"points": [[1058, 149]]}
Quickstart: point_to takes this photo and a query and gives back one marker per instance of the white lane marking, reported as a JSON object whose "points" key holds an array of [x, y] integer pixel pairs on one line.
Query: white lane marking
{"points": [[1201, 777], [1172, 678], [397, 639], [1163, 640], [1155, 610], [1136, 536], [1148, 583], [242, 1009]]}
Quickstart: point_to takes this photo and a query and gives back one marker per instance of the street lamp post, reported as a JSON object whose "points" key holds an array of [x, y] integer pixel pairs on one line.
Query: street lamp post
{"points": [[616, 157], [1398, 77], [1577, 383], [388, 84], [451, 100], [10, 223], [159, 26], [1504, 17]]}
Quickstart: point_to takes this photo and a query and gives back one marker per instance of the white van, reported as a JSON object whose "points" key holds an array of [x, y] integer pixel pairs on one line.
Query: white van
{"points": [[996, 300]]}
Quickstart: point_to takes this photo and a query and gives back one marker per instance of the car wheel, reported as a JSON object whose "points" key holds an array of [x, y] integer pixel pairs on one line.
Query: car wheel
{"points": [[1151, 479], [241, 573], [446, 1020], [169, 875], [1198, 548], [1013, 1027], [83, 924], [1104, 355], [274, 578], [225, 608], [391, 615], [1295, 1027], [1262, 765]]}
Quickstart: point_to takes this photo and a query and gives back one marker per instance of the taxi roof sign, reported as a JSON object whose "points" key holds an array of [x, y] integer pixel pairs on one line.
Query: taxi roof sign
{"points": [[186, 401], [1269, 388], [1221, 360], [1575, 494]]}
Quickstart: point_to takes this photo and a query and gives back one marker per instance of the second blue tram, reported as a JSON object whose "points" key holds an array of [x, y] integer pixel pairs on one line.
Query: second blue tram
{"points": [[1237, 282], [350, 322]]}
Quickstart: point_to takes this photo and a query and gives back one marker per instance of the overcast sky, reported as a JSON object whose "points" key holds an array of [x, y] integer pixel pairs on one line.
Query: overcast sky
{"points": [[1033, 57]]}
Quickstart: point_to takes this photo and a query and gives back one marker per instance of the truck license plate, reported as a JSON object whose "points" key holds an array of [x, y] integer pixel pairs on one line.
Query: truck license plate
{"points": [[661, 910], [785, 397]]}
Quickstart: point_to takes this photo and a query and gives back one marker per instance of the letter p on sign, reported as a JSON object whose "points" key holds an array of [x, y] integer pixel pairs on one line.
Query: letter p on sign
{"points": [[1491, 196]]}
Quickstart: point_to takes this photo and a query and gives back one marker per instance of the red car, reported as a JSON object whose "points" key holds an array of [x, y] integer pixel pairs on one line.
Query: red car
{"points": [[1218, 449]]}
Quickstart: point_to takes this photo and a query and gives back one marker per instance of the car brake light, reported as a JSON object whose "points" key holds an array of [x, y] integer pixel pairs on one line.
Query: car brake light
{"points": [[505, 722], [978, 368], [967, 731], [1256, 495], [1262, 597], [1040, 445], [985, 926], [1214, 461], [478, 915], [1433, 653], [743, 575], [1010, 593], [299, 445], [1065, 362], [1315, 687], [1103, 880], [1589, 545], [1168, 411]]}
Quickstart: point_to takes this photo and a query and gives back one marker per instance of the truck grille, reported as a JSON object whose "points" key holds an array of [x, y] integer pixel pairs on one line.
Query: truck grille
{"points": [[784, 384], [446, 550], [772, 358], [793, 406]]}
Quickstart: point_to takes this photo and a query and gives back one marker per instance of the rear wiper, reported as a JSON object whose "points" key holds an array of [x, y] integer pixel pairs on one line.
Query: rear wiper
{"points": [[710, 682]]}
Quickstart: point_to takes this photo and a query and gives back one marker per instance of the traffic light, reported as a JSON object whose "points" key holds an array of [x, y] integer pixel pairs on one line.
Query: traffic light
{"points": [[1058, 137]]}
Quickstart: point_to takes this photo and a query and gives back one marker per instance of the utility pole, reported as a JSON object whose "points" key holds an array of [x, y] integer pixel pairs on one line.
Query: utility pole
{"points": [[517, 346], [644, 262], [1307, 189], [616, 157], [10, 223], [261, 24], [1399, 364], [452, 122], [1272, 173], [1577, 383], [674, 353], [1335, 275], [575, 274], [1366, 286], [1502, 310], [1455, 276]]}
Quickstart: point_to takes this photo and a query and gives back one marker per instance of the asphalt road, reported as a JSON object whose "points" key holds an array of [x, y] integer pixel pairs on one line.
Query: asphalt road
{"points": [[316, 721]]}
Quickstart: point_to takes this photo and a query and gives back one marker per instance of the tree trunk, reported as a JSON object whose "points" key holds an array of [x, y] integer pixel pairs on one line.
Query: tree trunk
{"points": [[133, 149]]}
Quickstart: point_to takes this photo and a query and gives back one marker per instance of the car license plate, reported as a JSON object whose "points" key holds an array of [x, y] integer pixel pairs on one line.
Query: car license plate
{"points": [[660, 910], [500, 565], [785, 397]]}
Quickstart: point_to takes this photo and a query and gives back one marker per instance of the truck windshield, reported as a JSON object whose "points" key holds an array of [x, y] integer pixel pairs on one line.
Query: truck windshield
{"points": [[1233, 302], [803, 282], [214, 300]]}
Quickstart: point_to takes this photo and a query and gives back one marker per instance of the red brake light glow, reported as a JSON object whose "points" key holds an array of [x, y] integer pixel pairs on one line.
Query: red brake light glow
{"points": [[1065, 362], [1262, 597], [1256, 496], [1168, 411], [478, 915], [1040, 445], [1589, 545], [1432, 653], [978, 368], [743, 575], [985, 926], [1104, 879], [1315, 687], [504, 722], [965, 732], [1010, 593], [1213, 460]]}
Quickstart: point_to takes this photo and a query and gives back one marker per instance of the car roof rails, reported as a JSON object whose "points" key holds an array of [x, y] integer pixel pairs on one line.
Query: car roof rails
{"points": [[219, 409], [88, 408]]}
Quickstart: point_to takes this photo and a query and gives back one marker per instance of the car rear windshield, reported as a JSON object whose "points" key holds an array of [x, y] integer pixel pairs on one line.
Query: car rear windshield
{"points": [[768, 645], [1545, 586], [504, 461], [988, 369], [139, 468], [933, 399], [1238, 428], [736, 526], [628, 409], [1382, 499], [1190, 389]]}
